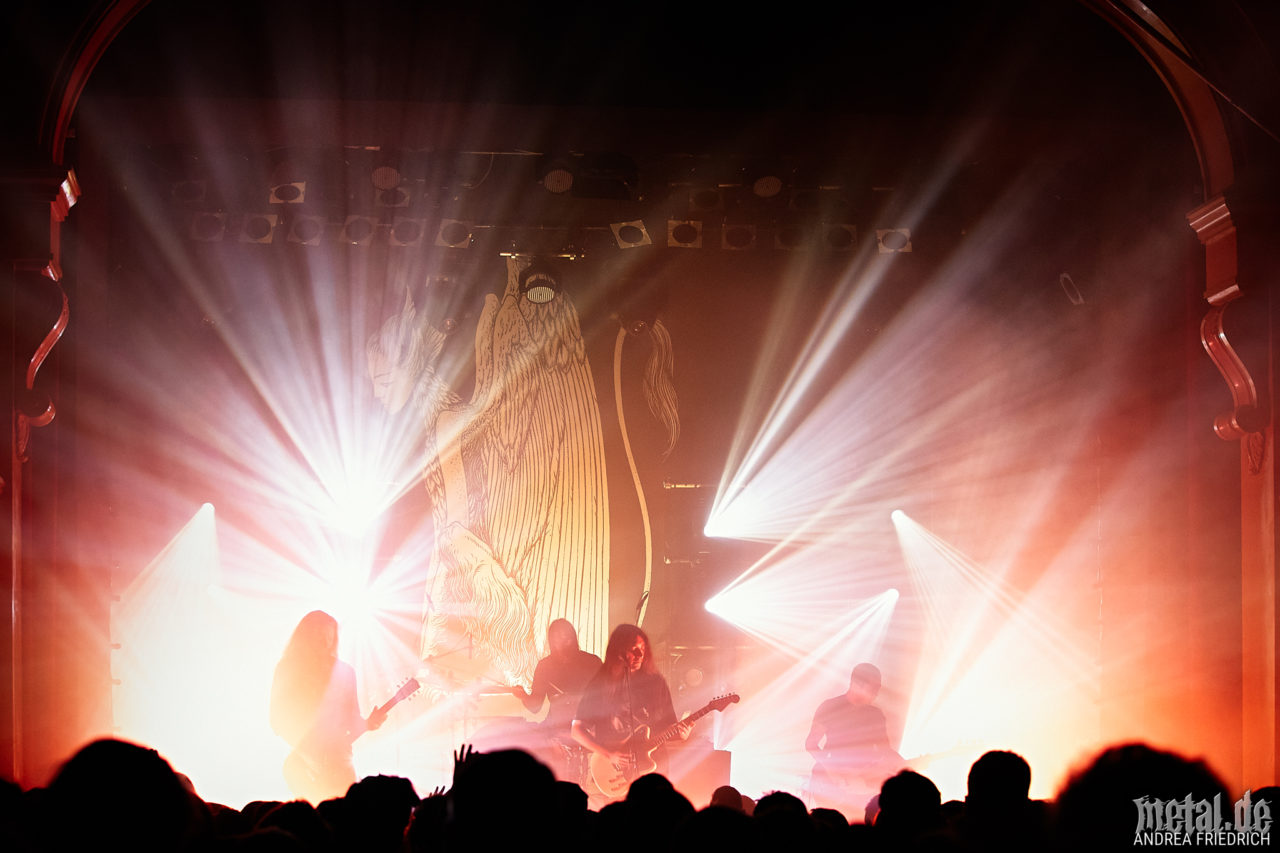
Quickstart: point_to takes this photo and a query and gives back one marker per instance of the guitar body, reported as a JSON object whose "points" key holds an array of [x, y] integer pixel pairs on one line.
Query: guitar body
{"points": [[316, 774], [857, 770], [612, 778], [850, 779], [318, 777], [847, 785]]}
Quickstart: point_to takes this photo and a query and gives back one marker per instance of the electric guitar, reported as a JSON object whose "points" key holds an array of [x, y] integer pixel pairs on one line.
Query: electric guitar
{"points": [[304, 771], [611, 777], [858, 774], [854, 773]]}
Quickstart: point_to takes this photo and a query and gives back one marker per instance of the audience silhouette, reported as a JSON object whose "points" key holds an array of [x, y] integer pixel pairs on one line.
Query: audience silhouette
{"points": [[114, 794]]}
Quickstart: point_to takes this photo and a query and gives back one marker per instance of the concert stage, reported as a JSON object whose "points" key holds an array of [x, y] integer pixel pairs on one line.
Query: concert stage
{"points": [[940, 341]]}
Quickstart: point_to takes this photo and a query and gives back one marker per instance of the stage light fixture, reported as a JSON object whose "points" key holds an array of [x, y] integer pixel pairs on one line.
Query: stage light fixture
{"points": [[406, 232], [684, 233], [630, 234], [394, 197], [600, 174], [294, 192], [290, 172], [764, 179], [539, 282], [208, 227], [766, 186], [259, 228], [454, 234], [706, 200], [840, 237], [389, 186], [556, 175], [893, 240], [737, 237], [792, 237], [307, 230], [359, 230], [386, 177]]}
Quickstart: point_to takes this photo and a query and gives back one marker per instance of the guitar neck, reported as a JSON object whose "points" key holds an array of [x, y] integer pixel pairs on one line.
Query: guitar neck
{"points": [[675, 727], [406, 690]]}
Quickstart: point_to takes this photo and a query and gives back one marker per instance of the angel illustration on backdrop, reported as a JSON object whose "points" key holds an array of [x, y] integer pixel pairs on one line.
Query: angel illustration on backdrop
{"points": [[516, 477]]}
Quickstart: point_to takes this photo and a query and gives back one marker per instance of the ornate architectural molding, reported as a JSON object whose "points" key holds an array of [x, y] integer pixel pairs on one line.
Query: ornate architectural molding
{"points": [[33, 252], [1213, 225], [35, 407]]}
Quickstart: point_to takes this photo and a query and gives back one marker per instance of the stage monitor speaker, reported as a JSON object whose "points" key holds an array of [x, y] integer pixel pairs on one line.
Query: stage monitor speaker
{"points": [[697, 770]]}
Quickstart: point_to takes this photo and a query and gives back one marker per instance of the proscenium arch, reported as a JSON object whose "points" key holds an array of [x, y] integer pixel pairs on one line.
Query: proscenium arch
{"points": [[86, 48], [1213, 222], [1249, 420]]}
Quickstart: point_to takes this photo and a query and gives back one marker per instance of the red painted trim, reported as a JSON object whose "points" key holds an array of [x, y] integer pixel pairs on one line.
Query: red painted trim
{"points": [[86, 49], [1195, 98]]}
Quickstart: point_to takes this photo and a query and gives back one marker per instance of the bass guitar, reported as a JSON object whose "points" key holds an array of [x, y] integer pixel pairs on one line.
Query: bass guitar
{"points": [[612, 777]]}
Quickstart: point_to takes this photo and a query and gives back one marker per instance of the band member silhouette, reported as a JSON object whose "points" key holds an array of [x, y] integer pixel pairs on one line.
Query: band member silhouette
{"points": [[560, 679], [314, 708], [849, 742]]}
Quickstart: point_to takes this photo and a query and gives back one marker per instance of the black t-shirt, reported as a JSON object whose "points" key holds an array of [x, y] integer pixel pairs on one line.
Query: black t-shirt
{"points": [[562, 679], [612, 711], [853, 733]]}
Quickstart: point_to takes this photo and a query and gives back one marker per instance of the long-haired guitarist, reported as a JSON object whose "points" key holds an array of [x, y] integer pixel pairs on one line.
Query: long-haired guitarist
{"points": [[627, 695], [314, 708]]}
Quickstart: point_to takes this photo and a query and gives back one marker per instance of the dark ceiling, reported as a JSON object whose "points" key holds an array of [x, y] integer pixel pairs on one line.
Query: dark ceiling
{"points": [[872, 87], [860, 56]]}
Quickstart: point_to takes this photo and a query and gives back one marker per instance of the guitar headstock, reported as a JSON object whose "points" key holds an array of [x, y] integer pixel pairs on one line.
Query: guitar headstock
{"points": [[721, 702], [409, 688]]}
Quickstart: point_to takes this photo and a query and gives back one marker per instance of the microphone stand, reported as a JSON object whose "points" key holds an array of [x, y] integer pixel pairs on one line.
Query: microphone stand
{"points": [[631, 711]]}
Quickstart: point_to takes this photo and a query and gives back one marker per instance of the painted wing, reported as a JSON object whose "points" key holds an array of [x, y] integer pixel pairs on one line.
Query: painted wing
{"points": [[535, 449]]}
